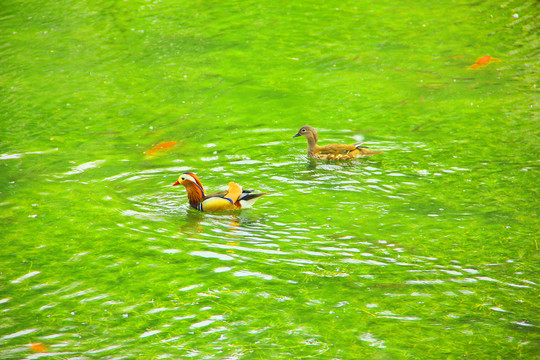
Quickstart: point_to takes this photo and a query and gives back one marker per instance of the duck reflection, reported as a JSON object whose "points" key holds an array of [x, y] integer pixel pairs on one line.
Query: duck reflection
{"points": [[200, 222], [313, 164]]}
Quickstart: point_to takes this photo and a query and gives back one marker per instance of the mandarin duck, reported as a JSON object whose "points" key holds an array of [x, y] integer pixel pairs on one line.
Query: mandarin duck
{"points": [[232, 199], [332, 151]]}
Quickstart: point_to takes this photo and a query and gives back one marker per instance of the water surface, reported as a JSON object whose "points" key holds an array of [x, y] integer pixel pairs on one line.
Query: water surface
{"points": [[427, 251]]}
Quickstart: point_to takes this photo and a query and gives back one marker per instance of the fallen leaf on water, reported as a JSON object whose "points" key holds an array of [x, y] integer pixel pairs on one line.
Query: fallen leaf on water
{"points": [[36, 347], [164, 146], [483, 61]]}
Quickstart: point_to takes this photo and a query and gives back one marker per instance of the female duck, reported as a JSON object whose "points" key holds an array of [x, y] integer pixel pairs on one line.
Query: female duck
{"points": [[232, 199], [333, 151]]}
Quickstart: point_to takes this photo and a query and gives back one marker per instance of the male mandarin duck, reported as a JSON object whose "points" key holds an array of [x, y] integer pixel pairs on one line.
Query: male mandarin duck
{"points": [[232, 199], [333, 151]]}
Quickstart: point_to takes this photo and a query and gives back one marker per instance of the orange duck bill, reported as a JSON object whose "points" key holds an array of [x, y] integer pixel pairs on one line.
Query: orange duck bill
{"points": [[232, 199], [333, 151]]}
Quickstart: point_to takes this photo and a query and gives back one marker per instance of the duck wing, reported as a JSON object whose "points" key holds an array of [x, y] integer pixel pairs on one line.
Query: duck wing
{"points": [[246, 194], [339, 151], [223, 200], [336, 149], [219, 201]]}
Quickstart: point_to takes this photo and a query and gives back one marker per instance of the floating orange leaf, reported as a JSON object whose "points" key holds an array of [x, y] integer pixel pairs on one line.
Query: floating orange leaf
{"points": [[483, 61], [37, 348], [164, 146]]}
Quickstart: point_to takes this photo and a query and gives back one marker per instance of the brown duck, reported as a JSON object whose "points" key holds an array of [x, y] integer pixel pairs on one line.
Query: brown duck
{"points": [[332, 151]]}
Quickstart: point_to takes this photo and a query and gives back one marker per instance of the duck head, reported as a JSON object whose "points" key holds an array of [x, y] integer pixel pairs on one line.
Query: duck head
{"points": [[309, 133], [190, 181]]}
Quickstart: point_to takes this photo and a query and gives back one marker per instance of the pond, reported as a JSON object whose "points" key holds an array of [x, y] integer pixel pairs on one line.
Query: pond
{"points": [[428, 250]]}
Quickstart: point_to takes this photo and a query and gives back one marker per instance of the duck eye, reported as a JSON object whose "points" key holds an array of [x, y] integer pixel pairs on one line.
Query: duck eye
{"points": [[303, 130]]}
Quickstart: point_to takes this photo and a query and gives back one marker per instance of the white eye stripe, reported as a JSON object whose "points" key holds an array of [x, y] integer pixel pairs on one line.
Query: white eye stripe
{"points": [[188, 177]]}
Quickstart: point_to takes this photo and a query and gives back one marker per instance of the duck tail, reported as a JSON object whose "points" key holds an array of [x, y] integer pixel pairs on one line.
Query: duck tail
{"points": [[364, 152], [248, 199]]}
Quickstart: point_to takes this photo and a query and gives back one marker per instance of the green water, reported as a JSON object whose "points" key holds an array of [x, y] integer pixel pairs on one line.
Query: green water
{"points": [[427, 251]]}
